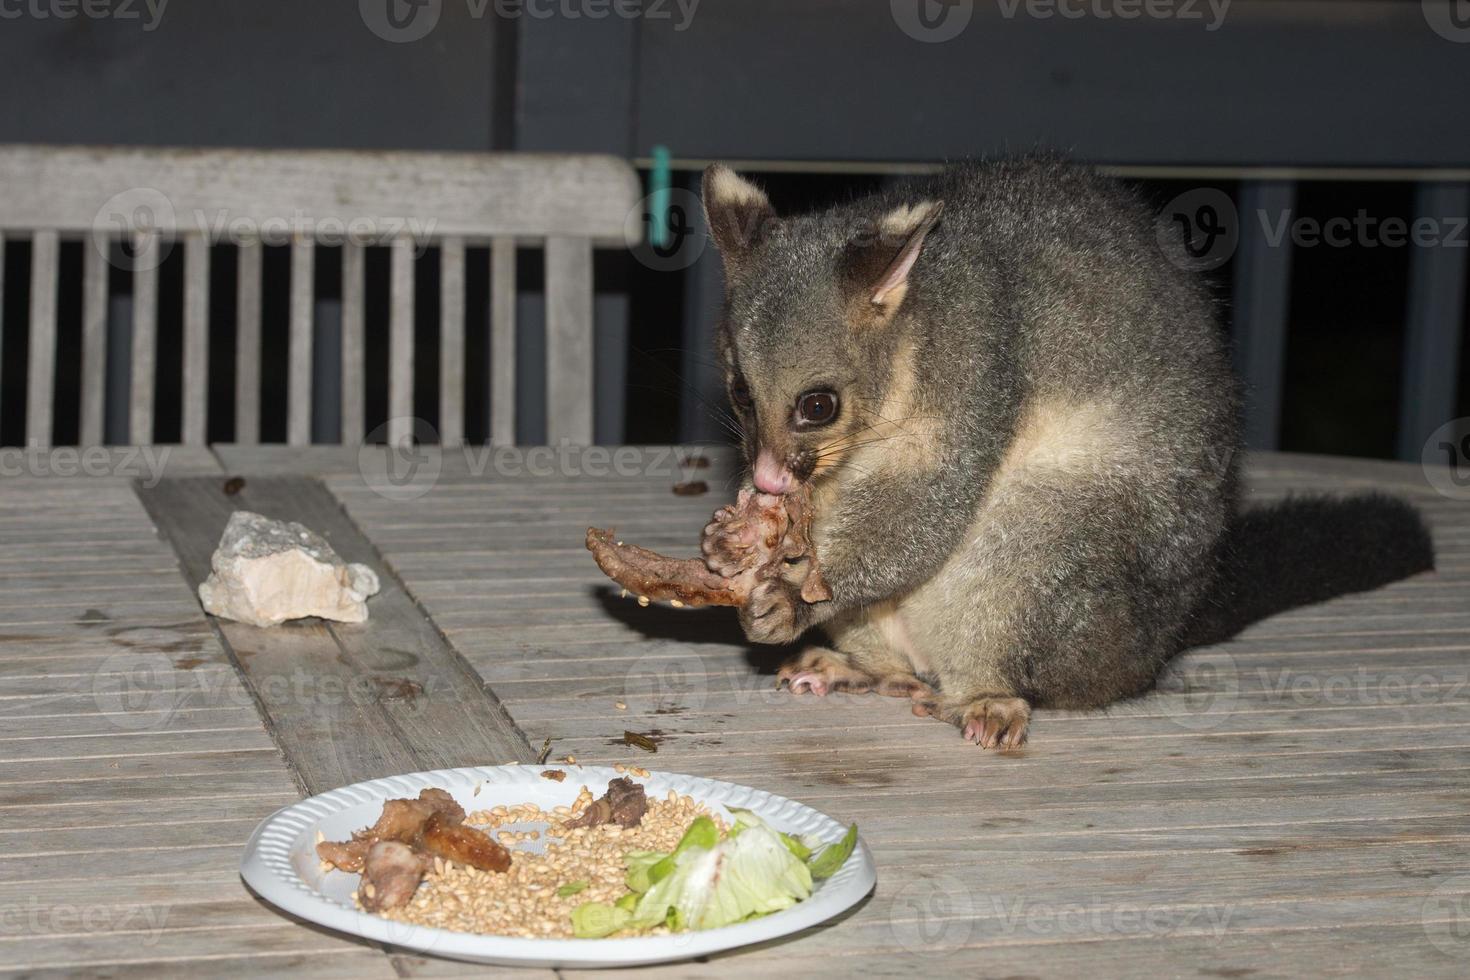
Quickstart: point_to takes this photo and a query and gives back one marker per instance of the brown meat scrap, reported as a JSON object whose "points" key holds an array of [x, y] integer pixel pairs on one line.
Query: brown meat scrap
{"points": [[463, 844], [430, 826], [391, 874], [776, 528], [624, 804], [401, 820]]}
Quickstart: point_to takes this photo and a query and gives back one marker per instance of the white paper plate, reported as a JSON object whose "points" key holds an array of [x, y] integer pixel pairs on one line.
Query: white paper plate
{"points": [[281, 865]]}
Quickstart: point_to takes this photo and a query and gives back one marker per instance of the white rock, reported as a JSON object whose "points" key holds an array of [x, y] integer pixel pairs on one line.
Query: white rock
{"points": [[265, 572]]}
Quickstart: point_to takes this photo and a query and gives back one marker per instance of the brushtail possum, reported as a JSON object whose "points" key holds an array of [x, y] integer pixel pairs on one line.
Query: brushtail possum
{"points": [[1016, 417]]}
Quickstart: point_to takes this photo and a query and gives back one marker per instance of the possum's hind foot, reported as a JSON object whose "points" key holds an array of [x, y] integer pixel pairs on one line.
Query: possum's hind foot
{"points": [[997, 723], [990, 721], [820, 671]]}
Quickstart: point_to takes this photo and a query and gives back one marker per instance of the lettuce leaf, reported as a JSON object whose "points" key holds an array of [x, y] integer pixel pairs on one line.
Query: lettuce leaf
{"points": [[749, 873], [826, 862], [706, 882]]}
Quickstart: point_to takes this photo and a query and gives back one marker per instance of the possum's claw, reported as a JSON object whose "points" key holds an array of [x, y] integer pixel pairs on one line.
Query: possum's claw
{"points": [[810, 680], [819, 670], [997, 723]]}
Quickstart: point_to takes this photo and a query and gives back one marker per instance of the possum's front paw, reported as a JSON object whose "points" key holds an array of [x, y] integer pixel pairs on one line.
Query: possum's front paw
{"points": [[772, 614], [735, 539]]}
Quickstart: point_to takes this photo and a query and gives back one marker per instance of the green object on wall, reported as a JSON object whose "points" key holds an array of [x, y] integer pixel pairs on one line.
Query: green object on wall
{"points": [[659, 180]]}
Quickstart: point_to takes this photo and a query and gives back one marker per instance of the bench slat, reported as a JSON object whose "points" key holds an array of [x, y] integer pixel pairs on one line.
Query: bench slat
{"points": [[95, 267], [569, 340], [400, 342], [475, 195], [298, 404], [247, 345], [352, 343], [196, 339], [145, 337], [451, 341], [41, 375], [503, 342]]}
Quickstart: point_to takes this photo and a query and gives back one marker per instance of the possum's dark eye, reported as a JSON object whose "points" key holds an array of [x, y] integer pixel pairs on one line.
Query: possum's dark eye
{"points": [[816, 408], [740, 394]]}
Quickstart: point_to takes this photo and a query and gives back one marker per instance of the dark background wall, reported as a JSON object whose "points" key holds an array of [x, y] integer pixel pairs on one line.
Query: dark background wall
{"points": [[828, 97]]}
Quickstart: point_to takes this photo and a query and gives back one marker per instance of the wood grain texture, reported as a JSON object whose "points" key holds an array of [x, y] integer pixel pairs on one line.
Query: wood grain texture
{"points": [[407, 201], [2, 300], [95, 266], [134, 771], [298, 398], [1283, 770], [346, 702], [353, 368], [569, 393], [1295, 807], [451, 342], [247, 343], [196, 340], [147, 256], [41, 372], [400, 342], [433, 194], [503, 342]]}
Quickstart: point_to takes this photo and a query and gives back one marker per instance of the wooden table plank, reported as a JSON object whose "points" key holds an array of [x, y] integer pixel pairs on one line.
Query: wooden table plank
{"points": [[126, 799], [346, 702], [1300, 756], [1297, 806]]}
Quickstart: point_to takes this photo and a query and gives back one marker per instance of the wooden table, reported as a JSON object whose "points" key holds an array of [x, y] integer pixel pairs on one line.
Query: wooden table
{"points": [[1299, 807]]}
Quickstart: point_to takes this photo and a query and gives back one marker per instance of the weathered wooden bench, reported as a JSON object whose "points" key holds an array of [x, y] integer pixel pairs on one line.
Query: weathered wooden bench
{"points": [[153, 200]]}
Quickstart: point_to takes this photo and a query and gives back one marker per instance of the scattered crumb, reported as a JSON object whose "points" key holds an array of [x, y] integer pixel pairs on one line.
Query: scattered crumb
{"points": [[620, 706], [644, 742], [555, 775]]}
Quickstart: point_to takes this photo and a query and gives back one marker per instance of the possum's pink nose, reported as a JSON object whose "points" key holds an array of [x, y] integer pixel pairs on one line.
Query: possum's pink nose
{"points": [[771, 475]]}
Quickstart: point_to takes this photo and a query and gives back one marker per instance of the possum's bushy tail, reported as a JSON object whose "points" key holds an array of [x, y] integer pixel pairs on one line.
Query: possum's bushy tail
{"points": [[1307, 549]]}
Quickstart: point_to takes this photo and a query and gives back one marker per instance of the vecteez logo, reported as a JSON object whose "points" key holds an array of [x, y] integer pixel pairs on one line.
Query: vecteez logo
{"points": [[400, 21], [932, 21]]}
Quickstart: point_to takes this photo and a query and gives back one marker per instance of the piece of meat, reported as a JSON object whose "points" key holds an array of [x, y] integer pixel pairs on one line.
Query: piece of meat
{"points": [[624, 804], [774, 531], [647, 573], [391, 874], [401, 820], [442, 803], [464, 845], [347, 855]]}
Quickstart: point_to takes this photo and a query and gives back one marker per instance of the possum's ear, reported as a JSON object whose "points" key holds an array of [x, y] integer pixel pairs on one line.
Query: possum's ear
{"points": [[875, 266], [738, 214], [910, 225]]}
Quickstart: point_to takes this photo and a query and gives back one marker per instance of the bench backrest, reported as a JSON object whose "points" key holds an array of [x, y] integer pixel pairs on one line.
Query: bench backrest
{"points": [[158, 199]]}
